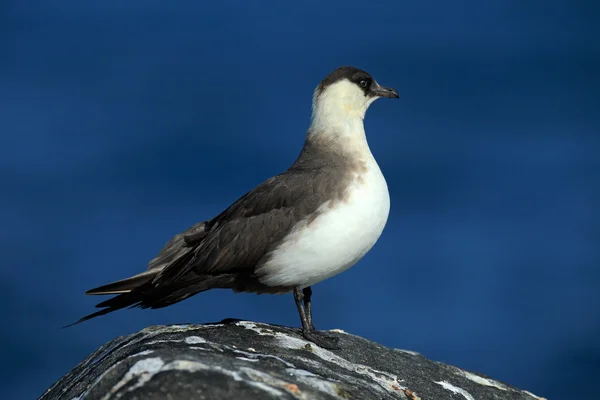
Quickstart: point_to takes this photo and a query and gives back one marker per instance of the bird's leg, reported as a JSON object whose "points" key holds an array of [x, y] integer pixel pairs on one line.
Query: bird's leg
{"points": [[307, 292], [299, 298], [308, 330]]}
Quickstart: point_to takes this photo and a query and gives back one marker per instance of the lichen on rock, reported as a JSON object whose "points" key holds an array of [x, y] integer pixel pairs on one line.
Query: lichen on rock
{"points": [[250, 360]]}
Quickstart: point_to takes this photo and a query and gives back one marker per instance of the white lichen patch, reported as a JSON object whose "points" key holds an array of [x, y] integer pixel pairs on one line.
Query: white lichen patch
{"points": [[257, 356], [387, 381], [149, 333], [248, 359], [190, 366], [195, 340], [154, 331], [112, 367], [193, 366], [455, 389], [144, 353], [199, 348], [259, 376], [315, 381], [187, 340], [483, 381], [412, 353], [142, 370], [251, 326], [299, 372], [491, 382]]}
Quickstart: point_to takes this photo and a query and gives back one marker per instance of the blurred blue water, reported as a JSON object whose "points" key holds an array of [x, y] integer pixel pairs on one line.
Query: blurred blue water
{"points": [[124, 122]]}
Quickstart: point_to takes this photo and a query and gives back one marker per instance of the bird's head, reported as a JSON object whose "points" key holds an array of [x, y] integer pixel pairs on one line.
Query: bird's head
{"points": [[347, 92]]}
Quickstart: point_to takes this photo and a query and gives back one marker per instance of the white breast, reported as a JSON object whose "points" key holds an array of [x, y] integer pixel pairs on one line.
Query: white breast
{"points": [[334, 241]]}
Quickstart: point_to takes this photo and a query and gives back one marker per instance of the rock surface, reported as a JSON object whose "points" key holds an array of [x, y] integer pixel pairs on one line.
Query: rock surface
{"points": [[250, 360]]}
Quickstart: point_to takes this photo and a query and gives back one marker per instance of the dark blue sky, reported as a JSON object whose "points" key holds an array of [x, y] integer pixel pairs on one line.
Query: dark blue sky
{"points": [[124, 122]]}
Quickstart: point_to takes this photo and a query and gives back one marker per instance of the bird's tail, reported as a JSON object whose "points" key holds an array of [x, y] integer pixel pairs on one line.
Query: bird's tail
{"points": [[141, 291], [125, 285]]}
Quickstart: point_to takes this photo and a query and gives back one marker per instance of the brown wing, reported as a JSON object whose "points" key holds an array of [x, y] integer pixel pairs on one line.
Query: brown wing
{"points": [[223, 252], [241, 235], [178, 246]]}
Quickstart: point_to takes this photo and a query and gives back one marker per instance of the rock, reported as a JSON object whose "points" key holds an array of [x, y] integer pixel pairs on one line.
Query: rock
{"points": [[250, 360]]}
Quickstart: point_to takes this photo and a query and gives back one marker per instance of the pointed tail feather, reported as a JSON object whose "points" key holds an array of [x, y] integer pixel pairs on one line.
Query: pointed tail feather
{"points": [[125, 285], [118, 302], [147, 295]]}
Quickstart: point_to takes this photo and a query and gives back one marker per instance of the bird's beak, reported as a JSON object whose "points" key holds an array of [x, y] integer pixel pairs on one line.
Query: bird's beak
{"points": [[381, 91]]}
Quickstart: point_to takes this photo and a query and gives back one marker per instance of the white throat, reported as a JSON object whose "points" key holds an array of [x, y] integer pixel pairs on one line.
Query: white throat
{"points": [[338, 114]]}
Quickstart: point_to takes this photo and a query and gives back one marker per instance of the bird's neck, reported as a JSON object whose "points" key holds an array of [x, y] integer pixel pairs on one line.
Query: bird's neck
{"points": [[339, 128]]}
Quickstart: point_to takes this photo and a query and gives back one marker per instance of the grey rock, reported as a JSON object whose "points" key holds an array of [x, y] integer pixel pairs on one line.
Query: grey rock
{"points": [[250, 360]]}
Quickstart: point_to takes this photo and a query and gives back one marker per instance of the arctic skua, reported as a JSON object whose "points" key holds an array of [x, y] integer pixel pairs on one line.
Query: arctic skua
{"points": [[292, 231]]}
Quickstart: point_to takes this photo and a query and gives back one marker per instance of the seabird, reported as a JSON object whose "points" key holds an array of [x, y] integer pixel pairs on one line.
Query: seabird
{"points": [[295, 229]]}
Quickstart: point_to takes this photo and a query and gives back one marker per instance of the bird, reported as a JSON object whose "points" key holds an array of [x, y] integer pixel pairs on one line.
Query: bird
{"points": [[311, 222]]}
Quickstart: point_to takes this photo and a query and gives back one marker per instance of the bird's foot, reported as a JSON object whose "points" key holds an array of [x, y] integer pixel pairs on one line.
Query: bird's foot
{"points": [[321, 339]]}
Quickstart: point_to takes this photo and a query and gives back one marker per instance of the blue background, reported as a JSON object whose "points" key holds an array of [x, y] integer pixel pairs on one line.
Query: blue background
{"points": [[124, 122]]}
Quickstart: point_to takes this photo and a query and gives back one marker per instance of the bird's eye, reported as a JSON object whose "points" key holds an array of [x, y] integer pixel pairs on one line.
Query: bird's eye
{"points": [[364, 83]]}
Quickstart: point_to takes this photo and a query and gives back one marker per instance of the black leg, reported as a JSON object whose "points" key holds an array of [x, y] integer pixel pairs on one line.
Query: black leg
{"points": [[299, 297], [307, 292], [308, 330]]}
